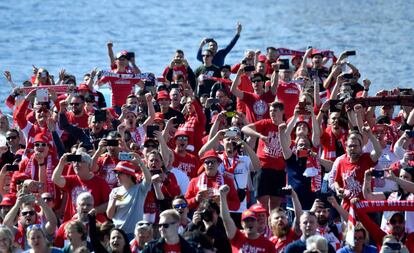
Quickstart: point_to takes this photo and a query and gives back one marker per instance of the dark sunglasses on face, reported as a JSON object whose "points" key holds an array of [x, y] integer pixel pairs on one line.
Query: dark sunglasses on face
{"points": [[19, 182], [40, 144], [178, 206], [206, 55], [396, 221], [74, 104], [48, 199], [42, 110], [11, 138], [210, 162], [182, 138], [166, 225], [28, 213]]}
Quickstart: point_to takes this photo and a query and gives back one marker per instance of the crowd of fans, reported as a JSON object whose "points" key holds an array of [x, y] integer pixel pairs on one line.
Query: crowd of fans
{"points": [[290, 154]]}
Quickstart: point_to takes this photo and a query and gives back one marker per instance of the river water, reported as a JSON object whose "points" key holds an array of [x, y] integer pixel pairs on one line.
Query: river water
{"points": [[73, 34]]}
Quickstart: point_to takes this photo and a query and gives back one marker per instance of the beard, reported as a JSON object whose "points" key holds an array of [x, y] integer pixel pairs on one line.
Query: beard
{"points": [[322, 221], [280, 231]]}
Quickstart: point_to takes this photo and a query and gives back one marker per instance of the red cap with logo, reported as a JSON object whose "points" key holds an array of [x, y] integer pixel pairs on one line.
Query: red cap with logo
{"points": [[248, 214], [126, 167]]}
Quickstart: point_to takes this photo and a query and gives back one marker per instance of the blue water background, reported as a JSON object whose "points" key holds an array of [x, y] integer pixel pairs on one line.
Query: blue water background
{"points": [[73, 34]]}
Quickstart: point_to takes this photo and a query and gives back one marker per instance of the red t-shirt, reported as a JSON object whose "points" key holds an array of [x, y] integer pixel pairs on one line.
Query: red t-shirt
{"points": [[173, 248], [350, 176], [81, 121], [245, 85], [240, 243], [281, 243], [188, 164], [121, 88], [257, 107], [75, 186], [288, 94], [106, 164], [270, 155]]}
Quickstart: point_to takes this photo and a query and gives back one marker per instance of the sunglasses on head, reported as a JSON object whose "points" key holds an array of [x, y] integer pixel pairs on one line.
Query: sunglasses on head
{"points": [[25, 213], [40, 144], [166, 225], [178, 206]]}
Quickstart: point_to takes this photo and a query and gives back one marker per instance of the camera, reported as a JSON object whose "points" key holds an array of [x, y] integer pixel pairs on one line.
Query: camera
{"points": [[207, 215]]}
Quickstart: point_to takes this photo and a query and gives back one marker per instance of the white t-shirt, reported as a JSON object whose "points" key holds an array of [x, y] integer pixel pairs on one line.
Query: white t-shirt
{"points": [[241, 175]]}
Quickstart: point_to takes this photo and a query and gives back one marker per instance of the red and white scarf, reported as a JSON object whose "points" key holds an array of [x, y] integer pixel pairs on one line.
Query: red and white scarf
{"points": [[32, 169], [203, 181], [226, 163]]}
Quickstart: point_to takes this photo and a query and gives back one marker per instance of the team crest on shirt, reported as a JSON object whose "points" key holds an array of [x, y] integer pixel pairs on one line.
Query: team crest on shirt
{"points": [[75, 193], [247, 248], [260, 108], [351, 183]]}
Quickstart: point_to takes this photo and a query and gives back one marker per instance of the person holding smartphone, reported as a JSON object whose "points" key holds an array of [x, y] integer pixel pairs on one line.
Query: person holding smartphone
{"points": [[218, 56]]}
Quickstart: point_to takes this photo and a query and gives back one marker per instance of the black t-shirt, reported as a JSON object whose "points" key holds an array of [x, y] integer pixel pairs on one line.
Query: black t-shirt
{"points": [[300, 246], [300, 183], [212, 71]]}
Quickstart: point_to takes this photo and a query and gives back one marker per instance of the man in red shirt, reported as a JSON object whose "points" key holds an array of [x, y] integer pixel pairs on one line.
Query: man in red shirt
{"points": [[83, 181], [78, 115], [250, 239], [183, 160], [272, 176], [207, 184], [350, 172], [257, 102], [287, 91], [121, 87]]}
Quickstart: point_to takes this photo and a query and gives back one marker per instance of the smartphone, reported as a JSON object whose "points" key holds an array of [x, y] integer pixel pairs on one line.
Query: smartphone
{"points": [[130, 55], [377, 173], [214, 101], [348, 76], [124, 156], [112, 143], [284, 63], [30, 198], [156, 171], [42, 95], [410, 134], [303, 153], [151, 129], [74, 158], [249, 68], [285, 192], [230, 134], [100, 115], [350, 53], [393, 245], [12, 167], [302, 108]]}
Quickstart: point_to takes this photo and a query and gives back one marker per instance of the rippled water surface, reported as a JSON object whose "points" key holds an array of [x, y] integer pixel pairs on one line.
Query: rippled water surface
{"points": [[73, 34]]}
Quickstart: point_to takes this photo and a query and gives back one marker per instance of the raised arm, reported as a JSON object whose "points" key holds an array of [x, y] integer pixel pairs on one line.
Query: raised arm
{"points": [[305, 58], [233, 42], [50, 216], [212, 143], [234, 86], [57, 173], [297, 207], [285, 140], [376, 153], [151, 111], [367, 188], [274, 80], [252, 155], [316, 130], [111, 55], [229, 225]]}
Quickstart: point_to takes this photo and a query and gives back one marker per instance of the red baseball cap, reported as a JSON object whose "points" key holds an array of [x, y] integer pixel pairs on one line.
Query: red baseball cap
{"points": [[262, 58], [210, 154], [83, 87], [180, 133], [248, 214], [159, 116], [41, 137], [258, 208], [163, 95], [8, 200], [123, 53], [126, 167]]}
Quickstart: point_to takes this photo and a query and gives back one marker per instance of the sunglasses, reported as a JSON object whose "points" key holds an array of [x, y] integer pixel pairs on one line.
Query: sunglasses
{"points": [[144, 224], [206, 55], [28, 213], [178, 206], [182, 138], [19, 182], [11, 138], [151, 146], [40, 144], [210, 162], [42, 110], [48, 199], [166, 225], [74, 104]]}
